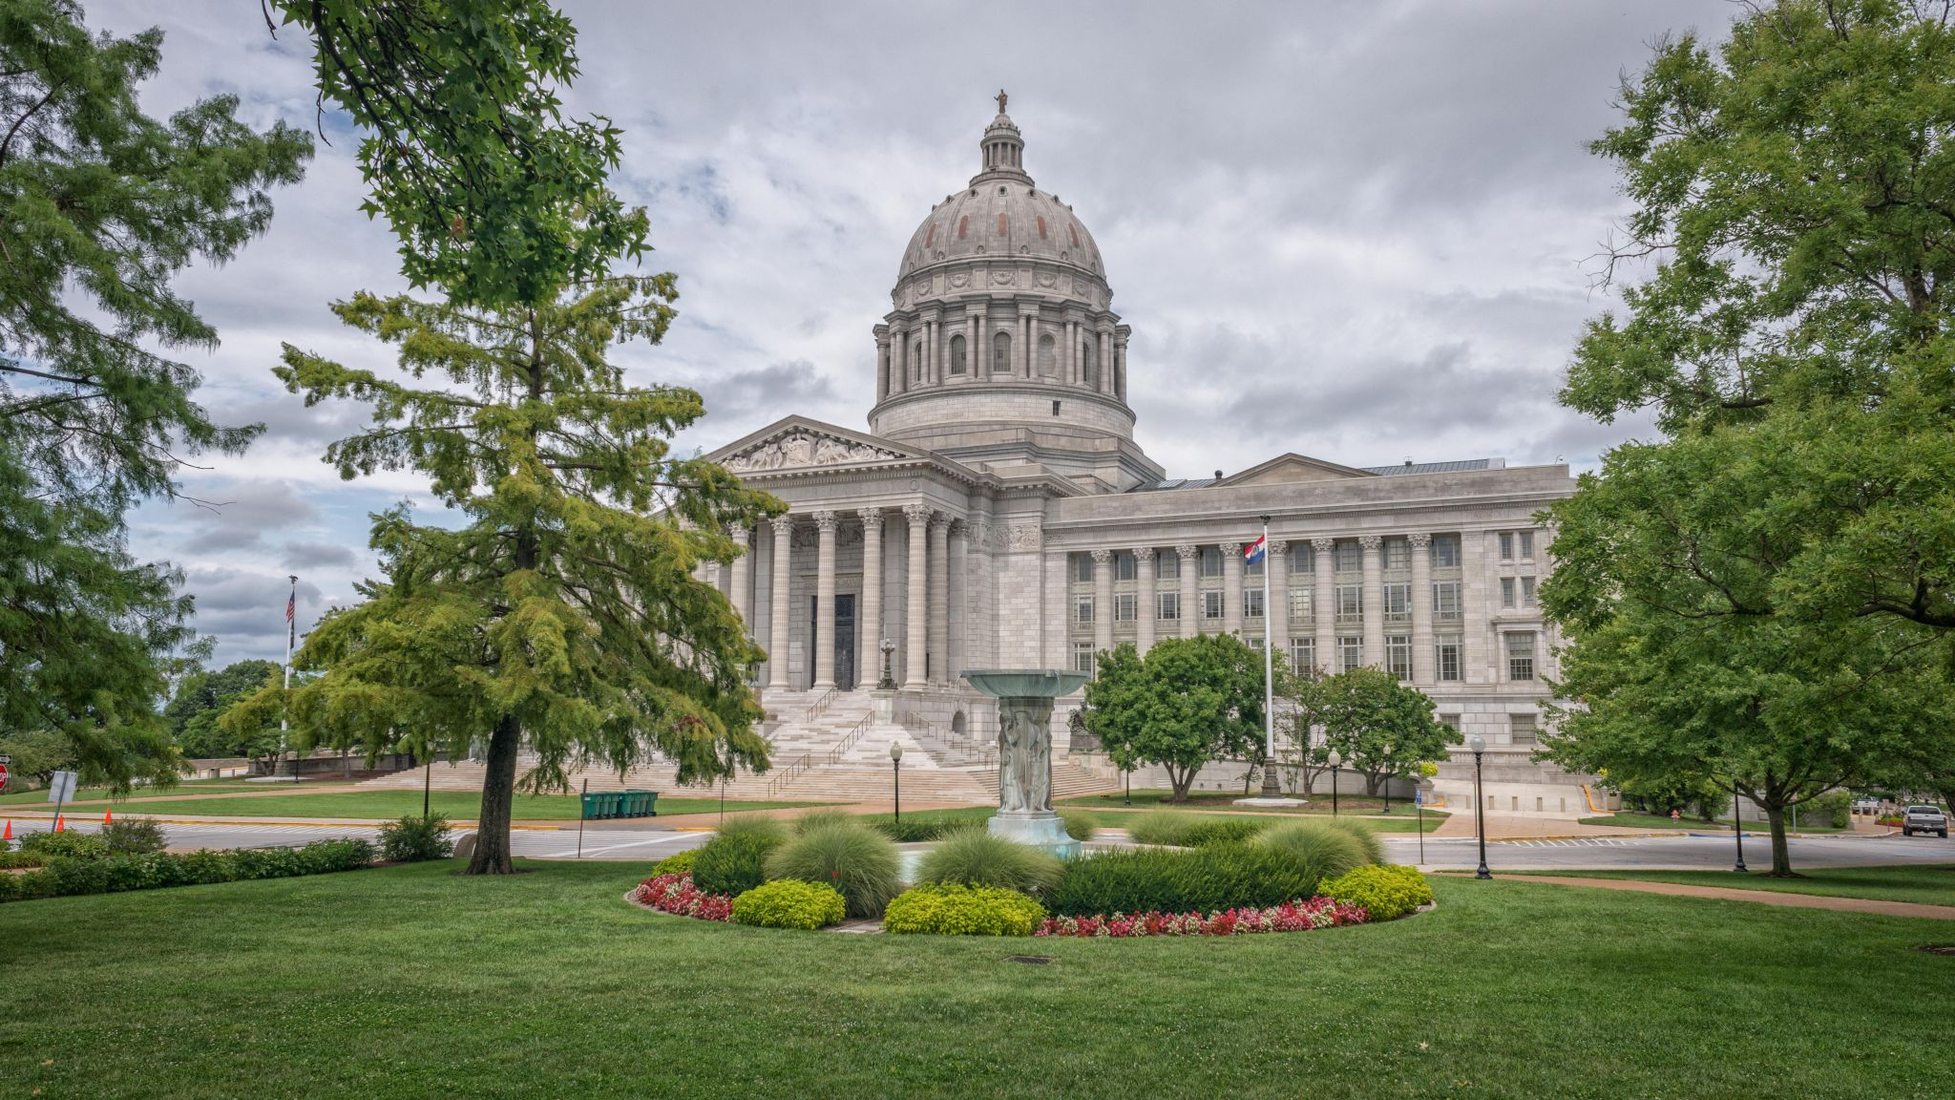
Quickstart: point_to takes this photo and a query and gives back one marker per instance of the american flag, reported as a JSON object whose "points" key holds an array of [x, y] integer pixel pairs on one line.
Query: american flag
{"points": [[292, 618]]}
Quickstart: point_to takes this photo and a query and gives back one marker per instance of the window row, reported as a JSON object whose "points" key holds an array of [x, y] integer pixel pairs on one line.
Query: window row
{"points": [[1347, 557], [1449, 655], [1348, 609]]}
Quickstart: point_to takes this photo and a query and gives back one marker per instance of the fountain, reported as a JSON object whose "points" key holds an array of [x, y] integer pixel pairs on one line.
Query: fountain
{"points": [[1025, 698]]}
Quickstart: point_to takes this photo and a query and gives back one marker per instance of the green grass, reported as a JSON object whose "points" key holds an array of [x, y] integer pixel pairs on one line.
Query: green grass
{"points": [[36, 799], [1926, 884], [377, 804], [1631, 820], [1115, 818], [413, 982], [1369, 809]]}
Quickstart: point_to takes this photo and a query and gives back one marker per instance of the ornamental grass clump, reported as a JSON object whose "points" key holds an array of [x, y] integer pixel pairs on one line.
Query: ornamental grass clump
{"points": [[735, 863], [1160, 826], [1318, 849], [816, 818], [790, 903], [1182, 829], [1079, 826], [953, 909], [1387, 892], [973, 857], [772, 828], [1367, 837], [853, 858]]}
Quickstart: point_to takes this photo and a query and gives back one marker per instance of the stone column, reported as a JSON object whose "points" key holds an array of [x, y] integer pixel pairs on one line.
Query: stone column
{"points": [[1190, 556], [824, 639], [883, 386], [1423, 658], [715, 576], [1145, 599], [914, 639], [1106, 361], [1121, 333], [1231, 587], [1102, 600], [1072, 353], [868, 646], [939, 596], [956, 622], [1025, 359], [1276, 613], [1374, 601], [1326, 607], [932, 357], [742, 596], [899, 365], [980, 357], [777, 610]]}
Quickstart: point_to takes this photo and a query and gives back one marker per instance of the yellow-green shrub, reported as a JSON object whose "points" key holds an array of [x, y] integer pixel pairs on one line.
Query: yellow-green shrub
{"points": [[678, 863], [789, 903], [1386, 892], [952, 909]]}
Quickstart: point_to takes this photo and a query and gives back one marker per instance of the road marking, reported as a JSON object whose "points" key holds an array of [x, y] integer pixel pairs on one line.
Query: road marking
{"points": [[571, 853]]}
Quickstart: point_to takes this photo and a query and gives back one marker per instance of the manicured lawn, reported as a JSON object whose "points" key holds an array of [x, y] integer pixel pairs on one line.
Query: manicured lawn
{"points": [[1929, 885], [36, 799], [1115, 817], [415, 982], [1659, 821], [460, 805], [1212, 802]]}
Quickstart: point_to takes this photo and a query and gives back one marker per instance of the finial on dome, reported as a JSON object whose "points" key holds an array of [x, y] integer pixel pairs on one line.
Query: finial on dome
{"points": [[1002, 97]]}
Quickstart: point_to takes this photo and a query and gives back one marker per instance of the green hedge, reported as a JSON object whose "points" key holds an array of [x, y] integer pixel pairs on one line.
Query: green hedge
{"points": [[66, 877], [1217, 876], [1186, 830], [734, 863], [66, 844], [790, 903], [918, 827], [952, 909], [1385, 892], [679, 863]]}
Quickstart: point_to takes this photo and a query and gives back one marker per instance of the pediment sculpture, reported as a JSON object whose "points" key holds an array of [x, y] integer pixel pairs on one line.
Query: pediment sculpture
{"points": [[800, 448]]}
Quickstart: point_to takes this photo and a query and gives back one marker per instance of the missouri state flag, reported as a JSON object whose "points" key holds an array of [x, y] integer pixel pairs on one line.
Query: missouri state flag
{"points": [[1253, 552]]}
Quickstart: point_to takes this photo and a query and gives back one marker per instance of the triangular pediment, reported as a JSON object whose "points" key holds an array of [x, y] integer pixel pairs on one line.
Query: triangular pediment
{"points": [[1291, 468], [798, 443]]}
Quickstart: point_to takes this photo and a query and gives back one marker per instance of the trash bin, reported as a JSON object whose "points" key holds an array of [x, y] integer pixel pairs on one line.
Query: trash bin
{"points": [[593, 805], [631, 803]]}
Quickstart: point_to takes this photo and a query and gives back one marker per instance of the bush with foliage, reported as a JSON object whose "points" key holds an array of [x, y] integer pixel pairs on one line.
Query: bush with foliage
{"points": [[1319, 850], [953, 909], [133, 836], [14, 860], [679, 895], [1367, 837], [1207, 879], [1187, 830], [771, 828], [66, 844], [915, 828], [734, 863], [790, 903], [971, 856], [1835, 810], [64, 876], [678, 863], [1079, 826], [852, 857], [1291, 916], [827, 815], [1387, 892], [413, 839]]}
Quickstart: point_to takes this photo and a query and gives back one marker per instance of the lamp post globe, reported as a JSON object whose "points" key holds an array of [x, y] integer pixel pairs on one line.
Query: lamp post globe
{"points": [[1336, 761], [1477, 745]]}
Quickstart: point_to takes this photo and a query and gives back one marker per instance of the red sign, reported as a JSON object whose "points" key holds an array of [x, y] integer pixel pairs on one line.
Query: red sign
{"points": [[3, 777]]}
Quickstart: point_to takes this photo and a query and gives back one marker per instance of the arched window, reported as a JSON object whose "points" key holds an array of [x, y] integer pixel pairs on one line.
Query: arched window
{"points": [[1001, 353], [1048, 356], [957, 355], [963, 226]]}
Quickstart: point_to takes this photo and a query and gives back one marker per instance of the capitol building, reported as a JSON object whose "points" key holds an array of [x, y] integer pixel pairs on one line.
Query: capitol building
{"points": [[998, 512]]}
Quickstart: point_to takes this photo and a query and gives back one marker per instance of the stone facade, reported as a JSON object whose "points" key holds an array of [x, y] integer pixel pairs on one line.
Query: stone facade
{"points": [[999, 514]]}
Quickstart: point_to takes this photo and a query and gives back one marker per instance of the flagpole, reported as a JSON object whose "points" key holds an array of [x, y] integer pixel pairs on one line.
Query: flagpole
{"points": [[291, 635], [1271, 788]]}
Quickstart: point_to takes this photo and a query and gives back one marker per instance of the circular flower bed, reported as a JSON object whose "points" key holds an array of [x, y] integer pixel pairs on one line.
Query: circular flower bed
{"points": [[1291, 916], [675, 894]]}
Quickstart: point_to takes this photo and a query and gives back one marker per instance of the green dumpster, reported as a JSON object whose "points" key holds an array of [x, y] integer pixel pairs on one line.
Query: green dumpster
{"points": [[628, 803], [639, 803], [593, 805]]}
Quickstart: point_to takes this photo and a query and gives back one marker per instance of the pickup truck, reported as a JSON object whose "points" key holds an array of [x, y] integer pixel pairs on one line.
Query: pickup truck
{"points": [[1924, 819]]}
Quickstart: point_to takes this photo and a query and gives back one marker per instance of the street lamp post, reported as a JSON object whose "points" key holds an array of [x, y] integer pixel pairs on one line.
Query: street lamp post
{"points": [[1738, 826], [896, 765], [1388, 777], [1335, 761], [1479, 745]]}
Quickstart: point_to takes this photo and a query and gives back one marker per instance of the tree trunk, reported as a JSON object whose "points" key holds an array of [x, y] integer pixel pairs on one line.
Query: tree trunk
{"points": [[1179, 780], [1370, 783], [498, 797], [1781, 854]]}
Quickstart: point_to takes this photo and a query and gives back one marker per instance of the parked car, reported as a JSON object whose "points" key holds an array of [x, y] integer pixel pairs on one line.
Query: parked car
{"points": [[1924, 819]]}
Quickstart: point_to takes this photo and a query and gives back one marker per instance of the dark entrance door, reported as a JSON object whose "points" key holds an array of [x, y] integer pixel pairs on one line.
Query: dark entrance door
{"points": [[845, 642]]}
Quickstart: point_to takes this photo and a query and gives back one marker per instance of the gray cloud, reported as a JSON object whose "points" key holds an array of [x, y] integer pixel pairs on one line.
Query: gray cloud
{"points": [[304, 555]]}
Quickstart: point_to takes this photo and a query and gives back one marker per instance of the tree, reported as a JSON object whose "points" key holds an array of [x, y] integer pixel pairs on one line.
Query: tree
{"points": [[1188, 701], [563, 615], [202, 698], [1381, 726], [103, 205]]}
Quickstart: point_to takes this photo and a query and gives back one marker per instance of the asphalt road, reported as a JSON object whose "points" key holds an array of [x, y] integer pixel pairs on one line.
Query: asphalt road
{"points": [[638, 843]]}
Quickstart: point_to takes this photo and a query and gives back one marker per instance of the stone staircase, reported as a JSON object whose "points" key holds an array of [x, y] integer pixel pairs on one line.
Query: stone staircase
{"points": [[826, 747]]}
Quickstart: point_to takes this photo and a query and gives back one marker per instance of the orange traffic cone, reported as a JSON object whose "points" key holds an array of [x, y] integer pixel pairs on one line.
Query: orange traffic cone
{"points": [[9, 834], [108, 817], [60, 825]]}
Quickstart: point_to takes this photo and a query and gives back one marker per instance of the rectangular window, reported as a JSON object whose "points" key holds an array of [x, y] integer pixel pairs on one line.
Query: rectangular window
{"points": [[1082, 567], [1212, 604], [1350, 603], [1450, 660], [1211, 562], [1083, 610], [1526, 540], [1350, 652], [1527, 591], [1398, 655], [1398, 553], [1126, 567], [1303, 558], [1252, 603], [1167, 566], [1507, 592], [1450, 721], [1524, 729], [1169, 605], [1445, 551], [1446, 602], [1126, 607], [1301, 611], [1350, 556], [1520, 655], [1398, 603], [1083, 657], [1303, 656], [1506, 546]]}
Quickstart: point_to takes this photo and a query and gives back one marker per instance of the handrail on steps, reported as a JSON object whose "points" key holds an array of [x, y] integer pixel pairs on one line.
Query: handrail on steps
{"points": [[789, 774], [820, 706], [850, 738]]}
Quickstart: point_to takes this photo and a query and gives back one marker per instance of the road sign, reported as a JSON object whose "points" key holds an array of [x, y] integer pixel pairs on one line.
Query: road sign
{"points": [[62, 789], [4, 761]]}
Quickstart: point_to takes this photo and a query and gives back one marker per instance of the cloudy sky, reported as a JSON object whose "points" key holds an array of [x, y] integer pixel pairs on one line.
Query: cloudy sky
{"points": [[1359, 230]]}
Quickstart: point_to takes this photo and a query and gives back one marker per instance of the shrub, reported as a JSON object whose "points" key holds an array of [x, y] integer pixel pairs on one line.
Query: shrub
{"points": [[133, 836], [853, 858], [1229, 876], [790, 903], [1386, 893], [1319, 850], [1367, 837], [734, 863], [1291, 916], [816, 818], [66, 876], [773, 828], [952, 909], [917, 827], [1212, 878], [1159, 826], [10, 860], [1079, 826], [678, 863], [1186, 830], [973, 857], [679, 895], [1835, 809], [413, 839], [65, 844]]}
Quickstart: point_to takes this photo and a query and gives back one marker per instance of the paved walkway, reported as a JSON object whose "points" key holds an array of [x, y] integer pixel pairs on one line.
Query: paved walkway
{"points": [[1759, 897], [1520, 827]]}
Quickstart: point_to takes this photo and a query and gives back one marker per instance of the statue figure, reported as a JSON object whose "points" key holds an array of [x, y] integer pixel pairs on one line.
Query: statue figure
{"points": [[1013, 737], [1002, 97]]}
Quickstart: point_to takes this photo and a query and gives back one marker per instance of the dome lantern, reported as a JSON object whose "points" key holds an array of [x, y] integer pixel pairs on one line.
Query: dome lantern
{"points": [[1003, 147]]}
